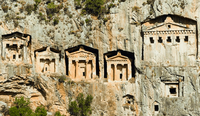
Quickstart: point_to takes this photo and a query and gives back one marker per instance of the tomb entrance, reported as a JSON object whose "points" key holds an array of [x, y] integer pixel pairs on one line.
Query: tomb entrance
{"points": [[81, 64], [15, 47], [118, 67], [173, 86], [47, 60]]}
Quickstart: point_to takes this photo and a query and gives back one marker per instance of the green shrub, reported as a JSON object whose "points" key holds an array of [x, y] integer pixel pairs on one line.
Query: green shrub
{"points": [[4, 7], [16, 23], [77, 4], [55, 22], [29, 8], [37, 1], [58, 114], [41, 16], [94, 7], [62, 78], [81, 106], [88, 21], [40, 111], [136, 9], [21, 107], [105, 20], [151, 2]]}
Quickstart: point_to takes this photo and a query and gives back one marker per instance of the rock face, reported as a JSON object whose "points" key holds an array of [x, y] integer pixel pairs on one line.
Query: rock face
{"points": [[140, 59]]}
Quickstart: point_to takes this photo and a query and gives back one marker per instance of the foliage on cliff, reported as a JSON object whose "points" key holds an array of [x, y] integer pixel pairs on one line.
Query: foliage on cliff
{"points": [[81, 106], [21, 108]]}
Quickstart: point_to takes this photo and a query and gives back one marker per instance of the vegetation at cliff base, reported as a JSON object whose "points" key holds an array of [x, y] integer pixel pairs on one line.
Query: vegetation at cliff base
{"points": [[22, 108], [81, 106]]}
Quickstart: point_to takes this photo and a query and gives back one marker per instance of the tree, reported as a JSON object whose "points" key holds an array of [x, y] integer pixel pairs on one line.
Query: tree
{"points": [[58, 114], [40, 111], [94, 6], [21, 107], [81, 106]]}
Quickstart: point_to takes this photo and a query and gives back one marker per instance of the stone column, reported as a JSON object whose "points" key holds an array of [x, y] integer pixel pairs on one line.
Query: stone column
{"points": [[124, 72], [86, 69], [114, 73], [38, 67], [76, 69], [25, 53], [3, 50], [129, 71], [56, 65], [180, 89], [93, 68], [109, 72], [70, 69]]}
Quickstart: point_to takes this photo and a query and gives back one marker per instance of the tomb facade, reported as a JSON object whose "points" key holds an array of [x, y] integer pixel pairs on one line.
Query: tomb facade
{"points": [[81, 64], [173, 86], [128, 105], [170, 40], [16, 48], [156, 106], [47, 60], [118, 67]]}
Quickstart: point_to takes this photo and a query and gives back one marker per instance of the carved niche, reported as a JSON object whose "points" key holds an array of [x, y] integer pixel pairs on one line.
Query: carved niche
{"points": [[118, 67], [173, 85], [169, 40], [15, 48], [47, 60], [82, 64], [128, 105]]}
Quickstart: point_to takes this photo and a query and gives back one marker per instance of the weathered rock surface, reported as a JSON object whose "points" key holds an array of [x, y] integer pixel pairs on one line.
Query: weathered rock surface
{"points": [[142, 95]]}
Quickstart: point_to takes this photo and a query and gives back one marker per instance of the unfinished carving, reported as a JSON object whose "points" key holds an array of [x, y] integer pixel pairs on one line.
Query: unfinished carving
{"points": [[47, 61], [15, 48], [173, 86], [156, 107], [118, 67], [170, 40], [82, 64], [128, 105]]}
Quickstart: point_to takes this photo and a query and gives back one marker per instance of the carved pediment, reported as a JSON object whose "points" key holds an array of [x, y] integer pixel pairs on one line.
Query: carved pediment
{"points": [[167, 27], [118, 57], [17, 37], [48, 53], [81, 53], [171, 78]]}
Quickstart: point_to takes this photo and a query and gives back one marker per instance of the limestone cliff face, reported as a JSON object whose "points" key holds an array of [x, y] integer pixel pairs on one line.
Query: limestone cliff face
{"points": [[157, 87]]}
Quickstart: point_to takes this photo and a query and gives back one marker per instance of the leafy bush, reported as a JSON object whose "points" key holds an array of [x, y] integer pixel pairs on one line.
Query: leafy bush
{"points": [[88, 21], [62, 78], [94, 7], [136, 9], [55, 22], [77, 3], [40, 111], [58, 114], [81, 106], [29, 8], [21, 107], [4, 7], [41, 16]]}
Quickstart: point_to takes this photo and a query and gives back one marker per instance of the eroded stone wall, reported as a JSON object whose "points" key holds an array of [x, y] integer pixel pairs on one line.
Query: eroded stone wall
{"points": [[142, 95]]}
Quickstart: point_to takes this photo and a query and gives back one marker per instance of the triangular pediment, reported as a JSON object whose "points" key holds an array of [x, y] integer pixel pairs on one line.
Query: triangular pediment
{"points": [[48, 52], [167, 26], [119, 56], [81, 52], [16, 39]]}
